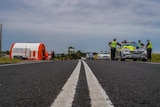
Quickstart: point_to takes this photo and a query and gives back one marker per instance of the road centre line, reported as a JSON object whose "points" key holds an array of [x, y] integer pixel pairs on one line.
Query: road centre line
{"points": [[66, 96], [98, 96]]}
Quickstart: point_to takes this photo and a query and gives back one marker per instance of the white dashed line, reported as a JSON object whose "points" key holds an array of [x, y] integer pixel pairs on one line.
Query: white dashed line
{"points": [[98, 96], [66, 96]]}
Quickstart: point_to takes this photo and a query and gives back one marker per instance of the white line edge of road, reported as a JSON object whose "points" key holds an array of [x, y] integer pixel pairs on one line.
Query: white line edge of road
{"points": [[98, 96], [66, 96]]}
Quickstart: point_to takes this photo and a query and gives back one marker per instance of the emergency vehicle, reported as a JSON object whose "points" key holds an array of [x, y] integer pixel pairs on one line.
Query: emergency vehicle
{"points": [[131, 50]]}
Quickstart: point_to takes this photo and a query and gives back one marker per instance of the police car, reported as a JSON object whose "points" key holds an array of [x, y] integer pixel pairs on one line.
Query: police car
{"points": [[131, 50]]}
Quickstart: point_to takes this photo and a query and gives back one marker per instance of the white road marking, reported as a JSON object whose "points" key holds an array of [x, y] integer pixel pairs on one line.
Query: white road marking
{"points": [[98, 96], [66, 96]]}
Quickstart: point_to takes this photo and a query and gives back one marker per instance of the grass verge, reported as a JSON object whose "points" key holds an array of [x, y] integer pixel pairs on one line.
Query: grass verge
{"points": [[8, 60], [155, 57]]}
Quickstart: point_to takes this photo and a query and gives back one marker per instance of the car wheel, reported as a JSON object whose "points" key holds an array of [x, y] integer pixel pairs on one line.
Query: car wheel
{"points": [[15, 57], [134, 59], [122, 59], [144, 60]]}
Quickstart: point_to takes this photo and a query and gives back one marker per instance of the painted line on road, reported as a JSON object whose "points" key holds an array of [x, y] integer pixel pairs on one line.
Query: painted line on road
{"points": [[98, 96], [66, 96]]}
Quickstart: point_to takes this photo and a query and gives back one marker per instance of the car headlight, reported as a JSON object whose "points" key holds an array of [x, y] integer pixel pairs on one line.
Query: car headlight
{"points": [[145, 52]]}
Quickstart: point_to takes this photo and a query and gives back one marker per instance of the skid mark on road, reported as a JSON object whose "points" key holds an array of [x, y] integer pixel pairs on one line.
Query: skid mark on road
{"points": [[98, 96], [66, 96]]}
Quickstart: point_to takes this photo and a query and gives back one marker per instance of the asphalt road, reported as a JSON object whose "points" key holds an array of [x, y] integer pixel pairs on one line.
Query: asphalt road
{"points": [[128, 84]]}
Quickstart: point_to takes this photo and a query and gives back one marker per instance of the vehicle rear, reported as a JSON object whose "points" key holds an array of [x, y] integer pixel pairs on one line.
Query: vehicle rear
{"points": [[103, 55]]}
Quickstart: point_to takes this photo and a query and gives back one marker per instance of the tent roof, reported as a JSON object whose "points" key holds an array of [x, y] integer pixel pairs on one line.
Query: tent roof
{"points": [[31, 46]]}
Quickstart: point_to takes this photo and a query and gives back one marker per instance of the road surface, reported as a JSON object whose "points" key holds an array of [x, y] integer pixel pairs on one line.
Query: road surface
{"points": [[76, 83]]}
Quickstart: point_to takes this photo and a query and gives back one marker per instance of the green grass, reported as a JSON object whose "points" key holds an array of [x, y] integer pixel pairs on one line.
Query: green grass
{"points": [[8, 61], [155, 57]]}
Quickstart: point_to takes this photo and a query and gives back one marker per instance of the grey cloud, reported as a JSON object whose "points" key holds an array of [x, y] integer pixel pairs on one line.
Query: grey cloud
{"points": [[105, 18], [87, 11]]}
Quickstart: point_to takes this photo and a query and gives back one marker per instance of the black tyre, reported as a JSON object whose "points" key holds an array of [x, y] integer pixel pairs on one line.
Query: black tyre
{"points": [[144, 60], [134, 59]]}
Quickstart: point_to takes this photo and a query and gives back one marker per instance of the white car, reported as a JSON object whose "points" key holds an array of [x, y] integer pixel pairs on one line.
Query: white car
{"points": [[103, 55], [83, 58], [131, 50]]}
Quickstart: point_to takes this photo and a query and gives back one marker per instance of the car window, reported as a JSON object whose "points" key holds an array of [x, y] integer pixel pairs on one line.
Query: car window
{"points": [[104, 53]]}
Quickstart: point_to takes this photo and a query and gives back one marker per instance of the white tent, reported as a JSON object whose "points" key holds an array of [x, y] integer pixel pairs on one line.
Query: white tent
{"points": [[35, 51]]}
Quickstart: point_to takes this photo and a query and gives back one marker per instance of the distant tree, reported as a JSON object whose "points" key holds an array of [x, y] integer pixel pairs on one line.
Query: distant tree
{"points": [[7, 52], [4, 53], [70, 50], [61, 56], [73, 56], [80, 54], [76, 55]]}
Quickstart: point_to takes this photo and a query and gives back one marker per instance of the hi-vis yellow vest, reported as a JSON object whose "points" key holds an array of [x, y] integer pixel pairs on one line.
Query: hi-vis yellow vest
{"points": [[113, 44], [150, 45]]}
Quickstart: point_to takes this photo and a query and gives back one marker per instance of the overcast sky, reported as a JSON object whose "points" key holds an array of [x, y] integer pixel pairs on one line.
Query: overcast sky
{"points": [[87, 25]]}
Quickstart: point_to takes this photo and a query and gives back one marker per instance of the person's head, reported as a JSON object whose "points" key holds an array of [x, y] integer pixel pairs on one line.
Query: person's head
{"points": [[142, 45], [125, 41], [148, 41], [139, 41], [114, 39]]}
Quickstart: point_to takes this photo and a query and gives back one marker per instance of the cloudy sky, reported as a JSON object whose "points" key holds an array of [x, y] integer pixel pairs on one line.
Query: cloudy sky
{"points": [[87, 25]]}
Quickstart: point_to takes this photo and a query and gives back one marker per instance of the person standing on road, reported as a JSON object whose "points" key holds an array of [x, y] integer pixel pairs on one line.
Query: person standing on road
{"points": [[142, 46], [149, 49], [113, 46], [139, 43]]}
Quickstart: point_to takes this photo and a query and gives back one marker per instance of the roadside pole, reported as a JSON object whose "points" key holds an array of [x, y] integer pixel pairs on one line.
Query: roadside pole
{"points": [[0, 37]]}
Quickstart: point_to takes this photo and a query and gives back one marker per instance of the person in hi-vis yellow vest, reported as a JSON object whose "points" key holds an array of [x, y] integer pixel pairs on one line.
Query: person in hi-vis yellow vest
{"points": [[113, 46], [149, 49]]}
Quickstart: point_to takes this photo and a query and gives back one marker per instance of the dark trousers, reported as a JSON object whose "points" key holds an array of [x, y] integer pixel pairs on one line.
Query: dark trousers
{"points": [[149, 51], [113, 51]]}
